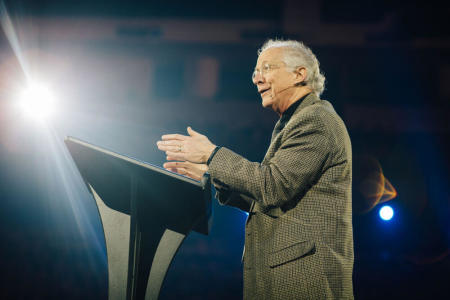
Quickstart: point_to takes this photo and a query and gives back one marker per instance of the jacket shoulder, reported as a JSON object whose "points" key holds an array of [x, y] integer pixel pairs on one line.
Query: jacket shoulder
{"points": [[320, 113]]}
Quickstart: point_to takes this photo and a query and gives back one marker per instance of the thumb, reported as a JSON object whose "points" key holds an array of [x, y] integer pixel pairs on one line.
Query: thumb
{"points": [[192, 132]]}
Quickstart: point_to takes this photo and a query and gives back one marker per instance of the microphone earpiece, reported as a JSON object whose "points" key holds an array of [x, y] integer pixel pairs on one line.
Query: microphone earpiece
{"points": [[290, 87], [300, 83]]}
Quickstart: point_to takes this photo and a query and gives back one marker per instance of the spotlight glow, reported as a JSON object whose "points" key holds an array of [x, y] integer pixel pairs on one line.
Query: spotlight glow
{"points": [[37, 101], [386, 213]]}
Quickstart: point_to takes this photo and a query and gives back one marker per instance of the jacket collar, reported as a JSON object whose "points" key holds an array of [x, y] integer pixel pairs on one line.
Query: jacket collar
{"points": [[309, 100]]}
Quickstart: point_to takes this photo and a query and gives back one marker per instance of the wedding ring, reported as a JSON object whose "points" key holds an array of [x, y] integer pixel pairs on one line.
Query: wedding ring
{"points": [[180, 148]]}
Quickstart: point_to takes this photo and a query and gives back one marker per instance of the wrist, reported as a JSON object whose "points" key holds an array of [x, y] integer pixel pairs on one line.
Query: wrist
{"points": [[211, 154], [208, 153]]}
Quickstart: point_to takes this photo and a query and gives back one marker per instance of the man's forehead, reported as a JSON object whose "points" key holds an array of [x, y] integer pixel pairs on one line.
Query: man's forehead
{"points": [[271, 54]]}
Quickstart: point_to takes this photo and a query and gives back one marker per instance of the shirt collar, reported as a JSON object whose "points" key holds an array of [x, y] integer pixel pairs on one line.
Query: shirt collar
{"points": [[291, 109]]}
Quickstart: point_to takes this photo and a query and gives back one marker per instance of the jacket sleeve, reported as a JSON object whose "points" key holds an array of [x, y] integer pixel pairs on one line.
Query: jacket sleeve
{"points": [[227, 197], [294, 167]]}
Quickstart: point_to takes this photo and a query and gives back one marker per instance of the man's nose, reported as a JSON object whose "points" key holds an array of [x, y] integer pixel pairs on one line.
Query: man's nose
{"points": [[258, 78]]}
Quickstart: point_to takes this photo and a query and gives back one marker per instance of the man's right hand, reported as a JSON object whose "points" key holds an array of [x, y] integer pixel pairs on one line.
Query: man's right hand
{"points": [[192, 170]]}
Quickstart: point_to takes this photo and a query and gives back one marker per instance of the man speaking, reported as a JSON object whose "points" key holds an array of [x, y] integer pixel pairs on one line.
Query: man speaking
{"points": [[299, 241]]}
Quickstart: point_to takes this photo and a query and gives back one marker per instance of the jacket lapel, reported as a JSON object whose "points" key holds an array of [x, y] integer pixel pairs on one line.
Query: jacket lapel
{"points": [[276, 135], [276, 140]]}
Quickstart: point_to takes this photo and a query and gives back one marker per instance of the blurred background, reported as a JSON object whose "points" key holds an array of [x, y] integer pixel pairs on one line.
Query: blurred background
{"points": [[119, 74]]}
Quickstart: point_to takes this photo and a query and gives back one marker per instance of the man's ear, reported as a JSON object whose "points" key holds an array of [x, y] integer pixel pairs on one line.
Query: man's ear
{"points": [[300, 76]]}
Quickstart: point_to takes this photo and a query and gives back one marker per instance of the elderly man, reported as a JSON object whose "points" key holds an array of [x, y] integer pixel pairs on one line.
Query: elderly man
{"points": [[298, 242]]}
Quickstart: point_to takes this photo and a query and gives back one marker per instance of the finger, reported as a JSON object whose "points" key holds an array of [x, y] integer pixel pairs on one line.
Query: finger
{"points": [[170, 148], [169, 165], [175, 164], [192, 132], [162, 147], [176, 136], [166, 148], [175, 156], [169, 143], [180, 171]]}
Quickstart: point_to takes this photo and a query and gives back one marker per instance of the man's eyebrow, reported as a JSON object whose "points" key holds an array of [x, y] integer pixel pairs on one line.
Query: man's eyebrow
{"points": [[262, 63]]}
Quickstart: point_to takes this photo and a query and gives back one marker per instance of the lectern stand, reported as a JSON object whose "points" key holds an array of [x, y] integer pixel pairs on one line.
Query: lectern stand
{"points": [[146, 213]]}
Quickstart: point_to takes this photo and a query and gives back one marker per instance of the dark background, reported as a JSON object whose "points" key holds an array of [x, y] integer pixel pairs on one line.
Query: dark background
{"points": [[125, 72]]}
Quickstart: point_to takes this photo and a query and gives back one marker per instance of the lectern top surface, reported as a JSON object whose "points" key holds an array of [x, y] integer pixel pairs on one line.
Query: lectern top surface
{"points": [[133, 160]]}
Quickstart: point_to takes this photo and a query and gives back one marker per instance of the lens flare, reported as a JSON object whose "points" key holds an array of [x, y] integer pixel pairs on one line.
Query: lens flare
{"points": [[375, 188], [37, 101]]}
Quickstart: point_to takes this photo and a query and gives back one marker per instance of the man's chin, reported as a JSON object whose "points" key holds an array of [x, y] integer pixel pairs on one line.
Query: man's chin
{"points": [[266, 103]]}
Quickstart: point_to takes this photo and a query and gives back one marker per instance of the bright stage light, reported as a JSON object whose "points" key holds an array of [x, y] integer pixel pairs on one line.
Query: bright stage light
{"points": [[386, 213], [37, 101]]}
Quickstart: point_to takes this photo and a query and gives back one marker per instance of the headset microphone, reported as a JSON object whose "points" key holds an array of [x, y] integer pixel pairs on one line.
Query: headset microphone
{"points": [[289, 87]]}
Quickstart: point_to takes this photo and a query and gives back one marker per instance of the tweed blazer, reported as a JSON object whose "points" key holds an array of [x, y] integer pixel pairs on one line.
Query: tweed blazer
{"points": [[299, 240]]}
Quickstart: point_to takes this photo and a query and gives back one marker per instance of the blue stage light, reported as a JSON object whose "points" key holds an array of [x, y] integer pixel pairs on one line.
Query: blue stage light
{"points": [[386, 213]]}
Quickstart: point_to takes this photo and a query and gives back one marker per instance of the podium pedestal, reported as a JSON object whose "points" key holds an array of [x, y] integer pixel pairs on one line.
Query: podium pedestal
{"points": [[146, 213]]}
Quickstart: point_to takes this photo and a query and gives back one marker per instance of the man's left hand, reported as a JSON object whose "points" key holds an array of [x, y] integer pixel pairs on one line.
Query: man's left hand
{"points": [[195, 148], [194, 171]]}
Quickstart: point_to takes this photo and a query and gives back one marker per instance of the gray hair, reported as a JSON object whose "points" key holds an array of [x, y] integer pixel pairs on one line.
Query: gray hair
{"points": [[297, 54]]}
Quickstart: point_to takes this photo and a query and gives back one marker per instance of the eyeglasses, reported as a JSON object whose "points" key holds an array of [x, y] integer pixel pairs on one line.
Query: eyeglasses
{"points": [[266, 68]]}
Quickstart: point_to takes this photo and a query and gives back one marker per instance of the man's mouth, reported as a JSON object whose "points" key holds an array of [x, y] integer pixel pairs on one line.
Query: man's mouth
{"points": [[265, 91]]}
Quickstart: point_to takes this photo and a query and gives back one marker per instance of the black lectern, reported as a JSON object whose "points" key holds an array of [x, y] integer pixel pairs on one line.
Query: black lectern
{"points": [[146, 213]]}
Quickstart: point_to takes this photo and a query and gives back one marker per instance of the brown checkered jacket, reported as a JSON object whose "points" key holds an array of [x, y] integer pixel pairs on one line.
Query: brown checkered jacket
{"points": [[299, 241]]}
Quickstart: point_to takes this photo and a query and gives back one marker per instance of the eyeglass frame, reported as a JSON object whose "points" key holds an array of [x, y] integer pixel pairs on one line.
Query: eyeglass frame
{"points": [[266, 67]]}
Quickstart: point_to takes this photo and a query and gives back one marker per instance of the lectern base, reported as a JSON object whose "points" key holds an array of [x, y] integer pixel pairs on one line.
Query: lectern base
{"points": [[167, 248], [146, 212]]}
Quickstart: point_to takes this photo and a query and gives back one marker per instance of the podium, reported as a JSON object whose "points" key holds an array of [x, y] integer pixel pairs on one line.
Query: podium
{"points": [[146, 212]]}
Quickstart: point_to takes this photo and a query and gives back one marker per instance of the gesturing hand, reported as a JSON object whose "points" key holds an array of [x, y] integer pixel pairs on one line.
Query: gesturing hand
{"points": [[192, 170], [194, 148]]}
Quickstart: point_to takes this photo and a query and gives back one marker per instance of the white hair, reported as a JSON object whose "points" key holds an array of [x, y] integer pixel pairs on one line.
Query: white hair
{"points": [[297, 54]]}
